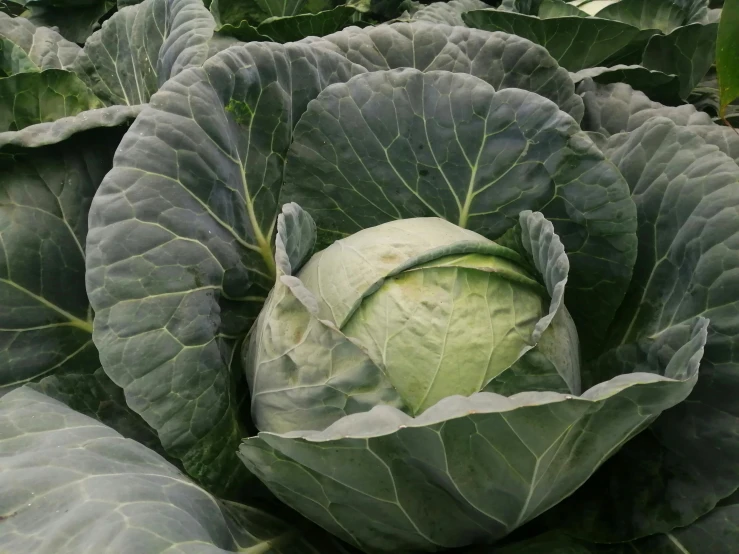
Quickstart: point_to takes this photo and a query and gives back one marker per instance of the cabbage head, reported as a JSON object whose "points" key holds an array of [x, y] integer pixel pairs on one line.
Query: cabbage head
{"points": [[417, 385]]}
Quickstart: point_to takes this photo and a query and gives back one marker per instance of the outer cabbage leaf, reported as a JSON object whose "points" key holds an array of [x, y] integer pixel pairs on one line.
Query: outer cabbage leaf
{"points": [[25, 47], [399, 144], [575, 42], [469, 469], [38, 97], [54, 132], [179, 257], [687, 52], [75, 19], [615, 108], [657, 85], [45, 316], [142, 46], [503, 60], [71, 484], [687, 197], [716, 532]]}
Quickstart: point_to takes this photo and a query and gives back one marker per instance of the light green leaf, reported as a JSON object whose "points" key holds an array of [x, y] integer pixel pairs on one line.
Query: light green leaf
{"points": [[448, 145], [25, 47], [38, 97], [658, 86], [94, 479], [575, 42], [726, 66], [468, 470], [176, 283], [504, 61]]}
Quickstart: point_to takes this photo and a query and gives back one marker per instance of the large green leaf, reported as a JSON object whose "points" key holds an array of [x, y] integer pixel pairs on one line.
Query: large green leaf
{"points": [[180, 247], [75, 19], [142, 46], [503, 60], [658, 86], [687, 197], [687, 52], [25, 47], [71, 485], [469, 469], [575, 42], [38, 97], [53, 132], [614, 108], [45, 317], [297, 27], [399, 144]]}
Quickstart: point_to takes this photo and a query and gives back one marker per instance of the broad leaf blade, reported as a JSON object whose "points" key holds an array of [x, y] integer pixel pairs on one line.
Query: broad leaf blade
{"points": [[24, 47], [448, 145], [45, 316], [172, 294], [74, 485], [503, 60], [575, 42], [38, 97], [687, 52], [687, 195], [468, 470]]}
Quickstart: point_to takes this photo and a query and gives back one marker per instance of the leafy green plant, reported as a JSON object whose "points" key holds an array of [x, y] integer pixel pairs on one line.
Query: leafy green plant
{"points": [[409, 286]]}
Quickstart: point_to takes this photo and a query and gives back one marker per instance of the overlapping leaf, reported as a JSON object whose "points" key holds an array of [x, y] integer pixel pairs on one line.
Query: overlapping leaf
{"points": [[503, 60], [687, 197], [74, 485], [179, 253], [468, 470]]}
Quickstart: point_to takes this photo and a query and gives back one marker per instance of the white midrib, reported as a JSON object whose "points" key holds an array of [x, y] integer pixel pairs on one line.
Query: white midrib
{"points": [[677, 544]]}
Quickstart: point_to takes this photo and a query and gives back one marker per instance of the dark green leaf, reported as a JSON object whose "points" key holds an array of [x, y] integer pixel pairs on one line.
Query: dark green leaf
{"points": [[658, 86], [448, 145], [45, 317], [142, 46], [687, 197], [504, 61], [687, 52], [289, 29], [73, 485], [575, 42], [75, 19]]}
